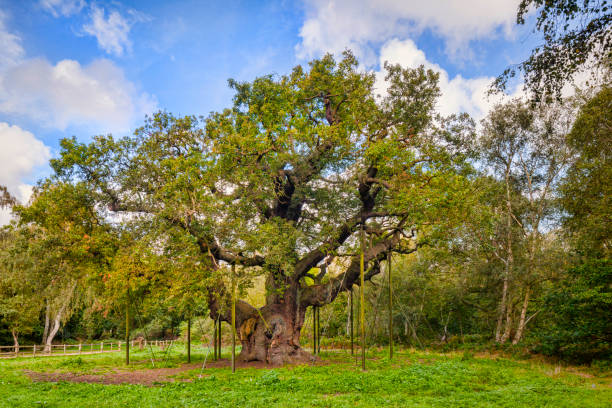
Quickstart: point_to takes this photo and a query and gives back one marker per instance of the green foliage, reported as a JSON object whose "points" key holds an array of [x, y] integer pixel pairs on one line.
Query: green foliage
{"points": [[586, 189], [576, 37], [20, 303], [579, 328]]}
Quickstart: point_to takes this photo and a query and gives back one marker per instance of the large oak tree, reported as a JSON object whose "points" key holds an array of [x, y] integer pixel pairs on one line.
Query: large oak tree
{"points": [[282, 183]]}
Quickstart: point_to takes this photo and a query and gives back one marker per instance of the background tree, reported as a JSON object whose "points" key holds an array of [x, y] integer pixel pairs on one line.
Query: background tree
{"points": [[525, 148], [68, 243], [586, 191], [577, 37], [20, 303]]}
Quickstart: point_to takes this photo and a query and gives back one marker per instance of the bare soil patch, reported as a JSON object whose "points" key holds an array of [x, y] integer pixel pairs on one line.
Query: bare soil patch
{"points": [[148, 377], [143, 377]]}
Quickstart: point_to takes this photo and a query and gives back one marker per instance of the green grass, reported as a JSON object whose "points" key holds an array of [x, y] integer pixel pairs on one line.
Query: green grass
{"points": [[420, 379]]}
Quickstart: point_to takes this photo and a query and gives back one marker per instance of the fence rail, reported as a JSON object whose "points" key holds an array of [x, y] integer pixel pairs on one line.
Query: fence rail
{"points": [[77, 349]]}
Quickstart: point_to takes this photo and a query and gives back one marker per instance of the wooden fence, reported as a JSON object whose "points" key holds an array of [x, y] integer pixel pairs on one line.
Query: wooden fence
{"points": [[77, 349]]}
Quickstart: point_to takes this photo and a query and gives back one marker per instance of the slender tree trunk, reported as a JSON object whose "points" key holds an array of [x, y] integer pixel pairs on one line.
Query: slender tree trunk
{"points": [[508, 329], [502, 307], [53, 330], [532, 250], [521, 325], [509, 260], [57, 319], [15, 340], [47, 314]]}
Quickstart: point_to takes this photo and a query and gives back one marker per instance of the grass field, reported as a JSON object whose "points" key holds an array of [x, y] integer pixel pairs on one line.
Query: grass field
{"points": [[413, 378]]}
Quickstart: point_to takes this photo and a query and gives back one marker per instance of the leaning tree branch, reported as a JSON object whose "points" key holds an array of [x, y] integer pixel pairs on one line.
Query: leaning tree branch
{"points": [[319, 295], [209, 245]]}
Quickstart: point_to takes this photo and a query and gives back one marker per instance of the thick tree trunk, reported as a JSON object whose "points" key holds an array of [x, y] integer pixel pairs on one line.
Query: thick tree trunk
{"points": [[269, 334], [15, 340], [273, 336]]}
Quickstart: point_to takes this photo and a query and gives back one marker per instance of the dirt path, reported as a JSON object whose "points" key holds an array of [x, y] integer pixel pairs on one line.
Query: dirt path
{"points": [[148, 377], [144, 377]]}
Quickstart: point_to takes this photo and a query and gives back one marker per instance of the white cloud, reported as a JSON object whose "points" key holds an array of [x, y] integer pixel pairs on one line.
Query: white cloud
{"points": [[459, 94], [20, 151], [112, 33], [11, 50], [68, 93], [332, 26], [20, 154], [64, 8], [96, 96]]}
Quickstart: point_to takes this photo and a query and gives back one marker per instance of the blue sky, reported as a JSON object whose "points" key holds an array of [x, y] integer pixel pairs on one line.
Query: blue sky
{"points": [[84, 67]]}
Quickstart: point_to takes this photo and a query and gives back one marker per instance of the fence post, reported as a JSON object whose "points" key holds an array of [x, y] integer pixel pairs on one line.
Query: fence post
{"points": [[80, 346], [119, 345], [34, 350], [64, 349], [101, 346]]}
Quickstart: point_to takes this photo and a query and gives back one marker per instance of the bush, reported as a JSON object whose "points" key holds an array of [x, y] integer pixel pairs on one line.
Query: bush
{"points": [[580, 328]]}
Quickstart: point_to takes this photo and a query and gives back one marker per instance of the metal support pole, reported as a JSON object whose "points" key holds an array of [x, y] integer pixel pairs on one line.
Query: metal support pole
{"points": [[362, 298], [233, 319], [351, 324], [189, 340], [127, 329], [215, 339], [219, 343], [318, 330], [390, 307], [314, 330]]}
